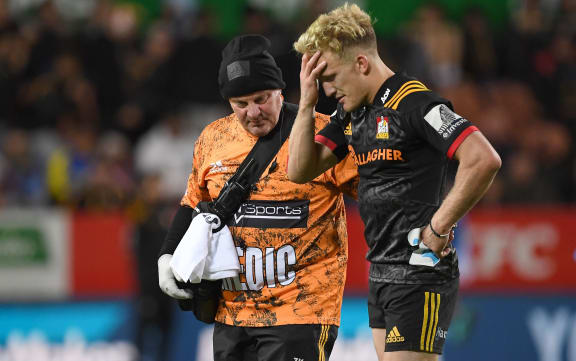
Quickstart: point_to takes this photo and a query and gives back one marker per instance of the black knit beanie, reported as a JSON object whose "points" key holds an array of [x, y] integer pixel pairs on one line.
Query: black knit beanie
{"points": [[248, 67]]}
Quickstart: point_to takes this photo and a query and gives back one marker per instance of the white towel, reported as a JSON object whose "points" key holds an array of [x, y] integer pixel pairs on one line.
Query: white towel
{"points": [[202, 254]]}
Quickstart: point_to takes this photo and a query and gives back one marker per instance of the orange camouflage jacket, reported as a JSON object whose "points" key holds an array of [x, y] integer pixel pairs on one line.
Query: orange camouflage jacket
{"points": [[290, 238]]}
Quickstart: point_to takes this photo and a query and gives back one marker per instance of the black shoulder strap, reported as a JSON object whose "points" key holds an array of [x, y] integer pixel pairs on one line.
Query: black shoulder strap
{"points": [[239, 186], [268, 146]]}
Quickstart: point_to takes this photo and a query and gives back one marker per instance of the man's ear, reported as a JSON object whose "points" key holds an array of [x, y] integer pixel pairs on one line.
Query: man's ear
{"points": [[362, 64]]}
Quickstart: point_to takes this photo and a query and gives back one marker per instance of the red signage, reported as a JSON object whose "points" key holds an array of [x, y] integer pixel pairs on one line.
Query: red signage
{"points": [[357, 270], [101, 255], [502, 250], [520, 250]]}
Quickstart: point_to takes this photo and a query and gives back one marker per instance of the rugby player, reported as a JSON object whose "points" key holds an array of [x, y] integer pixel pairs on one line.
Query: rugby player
{"points": [[403, 136]]}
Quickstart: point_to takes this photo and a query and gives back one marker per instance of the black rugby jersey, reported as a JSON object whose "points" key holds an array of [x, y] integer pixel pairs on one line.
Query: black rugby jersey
{"points": [[402, 144]]}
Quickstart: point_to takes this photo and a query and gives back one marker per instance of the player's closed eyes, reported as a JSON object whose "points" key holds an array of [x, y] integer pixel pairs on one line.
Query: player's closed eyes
{"points": [[260, 100]]}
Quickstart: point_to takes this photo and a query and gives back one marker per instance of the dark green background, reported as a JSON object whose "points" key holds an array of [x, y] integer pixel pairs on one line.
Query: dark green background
{"points": [[390, 14]]}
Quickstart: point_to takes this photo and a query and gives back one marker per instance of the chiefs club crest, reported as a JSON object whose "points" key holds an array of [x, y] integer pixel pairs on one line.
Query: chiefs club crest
{"points": [[382, 127]]}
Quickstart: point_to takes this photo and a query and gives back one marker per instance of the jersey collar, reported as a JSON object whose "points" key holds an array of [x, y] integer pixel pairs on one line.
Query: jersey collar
{"points": [[385, 93], [388, 89]]}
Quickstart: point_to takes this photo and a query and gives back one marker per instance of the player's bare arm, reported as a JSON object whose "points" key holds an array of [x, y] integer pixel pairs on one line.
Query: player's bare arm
{"points": [[478, 165], [308, 159]]}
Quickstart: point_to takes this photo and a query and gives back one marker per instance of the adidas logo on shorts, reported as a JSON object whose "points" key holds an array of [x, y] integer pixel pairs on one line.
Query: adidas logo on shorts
{"points": [[394, 336]]}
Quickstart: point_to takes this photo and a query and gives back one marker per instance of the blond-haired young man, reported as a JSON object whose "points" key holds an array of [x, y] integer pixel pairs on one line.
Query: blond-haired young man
{"points": [[403, 136]]}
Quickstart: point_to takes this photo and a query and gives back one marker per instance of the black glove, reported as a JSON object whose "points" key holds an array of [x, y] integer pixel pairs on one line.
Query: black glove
{"points": [[205, 299]]}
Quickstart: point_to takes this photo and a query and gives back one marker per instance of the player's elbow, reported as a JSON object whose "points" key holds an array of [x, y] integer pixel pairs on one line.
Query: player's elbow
{"points": [[492, 163], [296, 176], [488, 164], [298, 180]]}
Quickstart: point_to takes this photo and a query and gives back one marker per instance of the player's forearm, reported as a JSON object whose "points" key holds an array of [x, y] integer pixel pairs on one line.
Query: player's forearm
{"points": [[473, 179], [303, 160]]}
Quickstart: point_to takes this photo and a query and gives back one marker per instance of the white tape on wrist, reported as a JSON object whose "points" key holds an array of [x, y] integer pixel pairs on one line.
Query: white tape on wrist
{"points": [[423, 256]]}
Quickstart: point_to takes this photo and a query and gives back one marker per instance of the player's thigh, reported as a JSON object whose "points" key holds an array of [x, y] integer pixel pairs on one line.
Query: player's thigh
{"points": [[416, 317], [295, 342], [379, 338]]}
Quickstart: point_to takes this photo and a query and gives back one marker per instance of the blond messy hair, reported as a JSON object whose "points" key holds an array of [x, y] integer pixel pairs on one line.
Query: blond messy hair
{"points": [[342, 28]]}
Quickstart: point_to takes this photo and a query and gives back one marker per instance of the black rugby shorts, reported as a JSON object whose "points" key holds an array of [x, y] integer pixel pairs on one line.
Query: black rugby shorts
{"points": [[274, 343], [416, 317]]}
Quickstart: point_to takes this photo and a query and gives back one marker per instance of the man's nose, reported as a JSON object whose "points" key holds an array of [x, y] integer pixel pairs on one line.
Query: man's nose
{"points": [[329, 90], [253, 110]]}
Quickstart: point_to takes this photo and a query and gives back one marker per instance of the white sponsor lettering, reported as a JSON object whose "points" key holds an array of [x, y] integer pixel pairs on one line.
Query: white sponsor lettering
{"points": [[37, 347], [271, 282], [239, 218], [274, 266], [552, 333], [267, 212], [442, 119], [272, 210], [236, 280], [286, 257], [448, 131], [385, 96], [441, 333], [527, 251], [254, 270]]}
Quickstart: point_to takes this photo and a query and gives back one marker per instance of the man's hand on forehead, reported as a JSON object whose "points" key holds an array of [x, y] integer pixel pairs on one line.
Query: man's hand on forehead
{"points": [[310, 71], [314, 65]]}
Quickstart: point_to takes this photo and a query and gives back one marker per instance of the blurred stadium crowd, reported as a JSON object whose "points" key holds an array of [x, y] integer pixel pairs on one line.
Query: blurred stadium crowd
{"points": [[101, 112]]}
